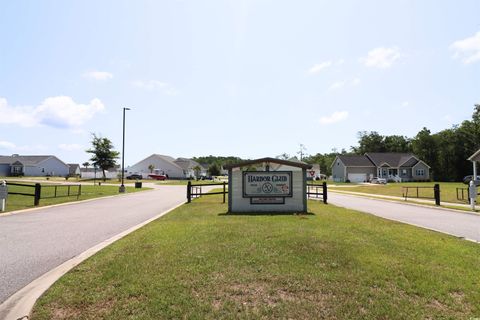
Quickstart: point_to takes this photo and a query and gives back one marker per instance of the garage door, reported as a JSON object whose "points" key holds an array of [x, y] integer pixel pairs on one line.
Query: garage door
{"points": [[357, 177]]}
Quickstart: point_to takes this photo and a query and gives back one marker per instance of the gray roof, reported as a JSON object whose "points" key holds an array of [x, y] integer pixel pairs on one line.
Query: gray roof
{"points": [[355, 161], [392, 159], [186, 164], [25, 160]]}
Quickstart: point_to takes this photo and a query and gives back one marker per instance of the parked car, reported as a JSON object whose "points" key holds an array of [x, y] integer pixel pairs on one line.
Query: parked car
{"points": [[158, 176], [134, 176], [469, 178], [379, 181]]}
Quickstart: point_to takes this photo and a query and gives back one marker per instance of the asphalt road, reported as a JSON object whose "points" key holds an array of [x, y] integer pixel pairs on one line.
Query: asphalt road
{"points": [[35, 242], [455, 223]]}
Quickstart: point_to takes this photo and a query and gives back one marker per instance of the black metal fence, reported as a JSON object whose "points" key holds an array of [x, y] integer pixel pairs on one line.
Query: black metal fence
{"points": [[46, 191], [414, 192], [195, 190], [313, 191]]}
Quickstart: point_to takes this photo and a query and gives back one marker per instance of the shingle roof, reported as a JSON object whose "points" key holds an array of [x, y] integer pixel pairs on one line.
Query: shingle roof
{"points": [[186, 164], [355, 161], [25, 160], [393, 159]]}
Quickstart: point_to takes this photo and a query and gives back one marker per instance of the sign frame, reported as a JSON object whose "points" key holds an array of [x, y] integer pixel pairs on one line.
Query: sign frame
{"points": [[290, 185]]}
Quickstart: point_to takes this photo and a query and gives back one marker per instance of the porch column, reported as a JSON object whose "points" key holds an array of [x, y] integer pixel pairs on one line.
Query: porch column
{"points": [[474, 170]]}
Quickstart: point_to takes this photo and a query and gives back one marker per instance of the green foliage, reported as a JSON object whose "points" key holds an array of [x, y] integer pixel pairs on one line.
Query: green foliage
{"points": [[446, 152], [214, 170], [103, 155]]}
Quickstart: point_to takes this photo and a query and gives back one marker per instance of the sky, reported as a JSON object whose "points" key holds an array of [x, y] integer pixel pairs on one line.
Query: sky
{"points": [[247, 78]]}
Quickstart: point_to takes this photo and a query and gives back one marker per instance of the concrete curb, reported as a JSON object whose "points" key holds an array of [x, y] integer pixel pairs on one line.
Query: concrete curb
{"points": [[20, 304]]}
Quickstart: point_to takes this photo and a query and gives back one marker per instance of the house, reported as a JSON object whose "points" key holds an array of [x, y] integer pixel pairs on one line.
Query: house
{"points": [[33, 166], [189, 168], [391, 166], [158, 164], [74, 170]]}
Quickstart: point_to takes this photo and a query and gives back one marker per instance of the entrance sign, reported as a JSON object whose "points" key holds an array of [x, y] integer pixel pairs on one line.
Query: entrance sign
{"points": [[267, 184]]}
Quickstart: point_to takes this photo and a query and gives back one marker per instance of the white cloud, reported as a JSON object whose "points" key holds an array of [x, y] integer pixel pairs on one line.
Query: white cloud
{"points": [[468, 49], [155, 85], [70, 147], [7, 145], [59, 112], [381, 57], [405, 104], [337, 85], [341, 84], [319, 67], [335, 117], [98, 75]]}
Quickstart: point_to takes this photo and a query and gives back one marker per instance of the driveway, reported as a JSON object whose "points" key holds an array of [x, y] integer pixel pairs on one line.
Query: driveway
{"points": [[458, 224], [32, 243]]}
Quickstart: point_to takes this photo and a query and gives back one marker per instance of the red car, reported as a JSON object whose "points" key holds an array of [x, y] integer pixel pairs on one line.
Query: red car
{"points": [[158, 176]]}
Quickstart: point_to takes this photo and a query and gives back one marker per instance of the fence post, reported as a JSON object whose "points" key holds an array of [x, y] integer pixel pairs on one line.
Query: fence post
{"points": [[189, 191], [436, 192], [38, 191], [79, 191], [223, 191], [324, 185]]}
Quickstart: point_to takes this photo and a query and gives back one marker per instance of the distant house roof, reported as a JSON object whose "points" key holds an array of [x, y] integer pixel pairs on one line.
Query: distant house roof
{"points": [[297, 164], [186, 164], [355, 161], [25, 160], [392, 159], [73, 168]]}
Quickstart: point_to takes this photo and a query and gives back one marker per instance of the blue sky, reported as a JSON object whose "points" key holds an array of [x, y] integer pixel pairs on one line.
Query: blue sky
{"points": [[240, 77]]}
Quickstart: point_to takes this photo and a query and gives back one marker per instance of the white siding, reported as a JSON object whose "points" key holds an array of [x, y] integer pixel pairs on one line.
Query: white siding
{"points": [[292, 204], [161, 164], [51, 166]]}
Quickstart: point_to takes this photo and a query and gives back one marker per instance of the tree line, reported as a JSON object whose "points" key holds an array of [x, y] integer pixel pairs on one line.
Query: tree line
{"points": [[446, 152]]}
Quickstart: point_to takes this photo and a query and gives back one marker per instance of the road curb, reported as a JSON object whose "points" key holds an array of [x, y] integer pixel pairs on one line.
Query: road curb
{"points": [[20, 304]]}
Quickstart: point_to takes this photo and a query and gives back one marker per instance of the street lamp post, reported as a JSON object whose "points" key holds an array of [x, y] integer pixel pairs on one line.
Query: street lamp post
{"points": [[122, 187]]}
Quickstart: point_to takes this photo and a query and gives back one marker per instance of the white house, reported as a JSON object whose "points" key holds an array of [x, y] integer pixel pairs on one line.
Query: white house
{"points": [[161, 164], [33, 166]]}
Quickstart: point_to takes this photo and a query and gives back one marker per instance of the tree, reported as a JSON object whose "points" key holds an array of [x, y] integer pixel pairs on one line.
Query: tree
{"points": [[103, 155], [151, 167], [86, 164], [302, 151], [283, 156], [197, 169], [214, 170]]}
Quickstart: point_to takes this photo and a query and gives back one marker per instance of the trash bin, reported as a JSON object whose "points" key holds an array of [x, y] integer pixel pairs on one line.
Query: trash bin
{"points": [[138, 185]]}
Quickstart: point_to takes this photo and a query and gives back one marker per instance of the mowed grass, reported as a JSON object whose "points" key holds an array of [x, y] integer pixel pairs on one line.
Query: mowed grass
{"points": [[448, 192], [198, 263], [19, 202]]}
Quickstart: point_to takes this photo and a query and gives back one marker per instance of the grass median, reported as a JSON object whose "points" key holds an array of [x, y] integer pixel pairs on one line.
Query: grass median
{"points": [[199, 263]]}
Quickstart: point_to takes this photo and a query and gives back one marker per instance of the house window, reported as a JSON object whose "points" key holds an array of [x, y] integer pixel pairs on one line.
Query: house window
{"points": [[404, 171], [420, 172], [338, 163]]}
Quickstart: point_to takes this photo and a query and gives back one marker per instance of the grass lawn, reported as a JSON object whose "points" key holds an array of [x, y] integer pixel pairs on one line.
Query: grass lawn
{"points": [[198, 263], [18, 202], [447, 190]]}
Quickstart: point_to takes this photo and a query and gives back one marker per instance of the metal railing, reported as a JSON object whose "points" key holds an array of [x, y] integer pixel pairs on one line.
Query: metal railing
{"points": [[195, 190], [436, 193], [313, 191]]}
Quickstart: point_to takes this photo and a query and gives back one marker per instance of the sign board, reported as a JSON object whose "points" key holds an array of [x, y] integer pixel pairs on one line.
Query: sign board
{"points": [[3, 191], [267, 184], [269, 200]]}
